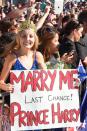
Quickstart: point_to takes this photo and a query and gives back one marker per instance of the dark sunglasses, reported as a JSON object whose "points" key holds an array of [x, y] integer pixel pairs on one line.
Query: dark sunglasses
{"points": [[46, 30]]}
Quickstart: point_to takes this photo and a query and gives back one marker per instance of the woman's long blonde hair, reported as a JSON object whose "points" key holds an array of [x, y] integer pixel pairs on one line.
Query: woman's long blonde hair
{"points": [[15, 45], [17, 41]]}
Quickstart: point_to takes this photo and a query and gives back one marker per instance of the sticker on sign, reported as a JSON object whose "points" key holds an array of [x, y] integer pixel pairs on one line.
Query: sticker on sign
{"points": [[58, 6]]}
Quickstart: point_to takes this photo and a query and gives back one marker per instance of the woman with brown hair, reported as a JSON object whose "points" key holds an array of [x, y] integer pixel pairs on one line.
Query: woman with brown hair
{"points": [[49, 47]]}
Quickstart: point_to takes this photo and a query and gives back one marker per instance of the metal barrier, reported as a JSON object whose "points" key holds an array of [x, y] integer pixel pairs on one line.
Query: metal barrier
{"points": [[2, 100]]}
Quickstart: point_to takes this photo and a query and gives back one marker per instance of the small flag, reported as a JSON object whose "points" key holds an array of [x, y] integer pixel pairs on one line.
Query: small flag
{"points": [[83, 107], [81, 71]]}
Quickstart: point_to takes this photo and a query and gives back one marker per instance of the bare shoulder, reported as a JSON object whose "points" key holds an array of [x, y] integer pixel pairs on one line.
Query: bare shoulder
{"points": [[40, 60], [39, 55]]}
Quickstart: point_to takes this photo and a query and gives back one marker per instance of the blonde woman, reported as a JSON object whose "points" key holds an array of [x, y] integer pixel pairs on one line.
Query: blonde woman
{"points": [[22, 54]]}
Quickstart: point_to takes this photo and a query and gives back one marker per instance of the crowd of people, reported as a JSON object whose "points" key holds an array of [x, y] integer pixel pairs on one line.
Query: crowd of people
{"points": [[33, 36]]}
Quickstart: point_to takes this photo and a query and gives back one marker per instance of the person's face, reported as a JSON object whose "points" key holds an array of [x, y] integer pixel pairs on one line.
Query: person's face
{"points": [[54, 43], [27, 39], [8, 3], [31, 2], [78, 33], [53, 18]]}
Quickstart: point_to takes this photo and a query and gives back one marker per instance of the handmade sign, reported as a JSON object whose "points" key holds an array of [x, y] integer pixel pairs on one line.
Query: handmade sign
{"points": [[44, 99]]}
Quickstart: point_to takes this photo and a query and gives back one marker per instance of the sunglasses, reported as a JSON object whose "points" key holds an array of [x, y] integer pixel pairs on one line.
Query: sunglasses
{"points": [[46, 30]]}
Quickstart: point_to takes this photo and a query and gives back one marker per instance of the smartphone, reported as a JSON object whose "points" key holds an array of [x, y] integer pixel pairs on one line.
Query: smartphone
{"points": [[72, 52], [43, 6]]}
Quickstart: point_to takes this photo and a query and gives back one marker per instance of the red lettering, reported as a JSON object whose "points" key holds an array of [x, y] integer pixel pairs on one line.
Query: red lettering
{"points": [[77, 113], [27, 118], [36, 80], [44, 77], [13, 114], [67, 79], [74, 80], [29, 81], [52, 77], [57, 114], [21, 78], [22, 118], [40, 117], [64, 116], [32, 118], [36, 77]]}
